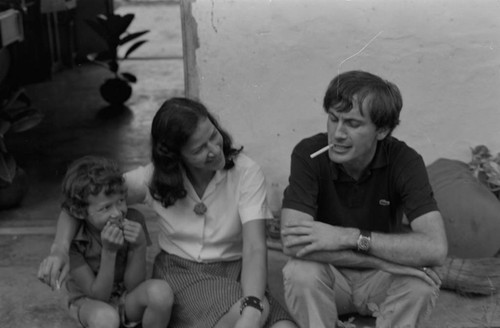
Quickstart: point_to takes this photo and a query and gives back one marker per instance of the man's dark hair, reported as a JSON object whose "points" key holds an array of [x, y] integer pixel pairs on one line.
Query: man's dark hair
{"points": [[383, 98]]}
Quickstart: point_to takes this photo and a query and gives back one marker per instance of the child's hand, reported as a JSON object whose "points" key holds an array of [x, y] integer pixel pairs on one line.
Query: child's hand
{"points": [[133, 233], [112, 237]]}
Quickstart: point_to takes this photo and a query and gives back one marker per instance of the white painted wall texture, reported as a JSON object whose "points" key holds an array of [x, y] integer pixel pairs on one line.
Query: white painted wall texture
{"points": [[263, 66]]}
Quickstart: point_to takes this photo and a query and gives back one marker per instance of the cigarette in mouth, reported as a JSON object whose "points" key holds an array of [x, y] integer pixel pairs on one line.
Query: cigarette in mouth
{"points": [[321, 151]]}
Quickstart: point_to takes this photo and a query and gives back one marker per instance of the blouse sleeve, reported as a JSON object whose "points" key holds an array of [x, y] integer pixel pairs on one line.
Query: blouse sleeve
{"points": [[253, 195], [137, 182]]}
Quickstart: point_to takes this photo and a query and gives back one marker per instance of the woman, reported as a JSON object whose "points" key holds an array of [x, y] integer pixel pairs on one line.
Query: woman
{"points": [[211, 200]]}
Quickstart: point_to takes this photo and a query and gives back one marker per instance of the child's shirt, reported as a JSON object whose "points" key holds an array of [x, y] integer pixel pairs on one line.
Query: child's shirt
{"points": [[86, 247]]}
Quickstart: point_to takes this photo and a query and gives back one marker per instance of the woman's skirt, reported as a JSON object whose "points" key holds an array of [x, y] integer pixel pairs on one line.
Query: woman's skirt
{"points": [[204, 292]]}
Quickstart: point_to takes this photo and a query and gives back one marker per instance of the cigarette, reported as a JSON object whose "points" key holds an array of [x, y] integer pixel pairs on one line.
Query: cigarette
{"points": [[321, 151]]}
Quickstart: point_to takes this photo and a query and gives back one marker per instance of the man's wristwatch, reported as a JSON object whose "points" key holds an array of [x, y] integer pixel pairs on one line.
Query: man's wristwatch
{"points": [[364, 241]]}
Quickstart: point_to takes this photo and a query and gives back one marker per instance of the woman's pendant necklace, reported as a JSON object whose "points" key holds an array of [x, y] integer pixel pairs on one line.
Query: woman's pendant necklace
{"points": [[200, 208]]}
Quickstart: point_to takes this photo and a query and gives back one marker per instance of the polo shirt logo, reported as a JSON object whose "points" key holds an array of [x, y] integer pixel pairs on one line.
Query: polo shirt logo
{"points": [[384, 202]]}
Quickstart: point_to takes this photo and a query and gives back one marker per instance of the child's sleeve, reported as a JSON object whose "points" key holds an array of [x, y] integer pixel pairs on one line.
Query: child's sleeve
{"points": [[136, 215]]}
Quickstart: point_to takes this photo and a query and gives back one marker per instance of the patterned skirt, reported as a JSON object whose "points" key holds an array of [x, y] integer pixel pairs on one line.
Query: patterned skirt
{"points": [[204, 292]]}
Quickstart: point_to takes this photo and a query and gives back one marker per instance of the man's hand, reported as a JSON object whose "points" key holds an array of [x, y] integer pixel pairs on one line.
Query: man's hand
{"points": [[315, 236], [54, 268], [133, 233], [112, 237]]}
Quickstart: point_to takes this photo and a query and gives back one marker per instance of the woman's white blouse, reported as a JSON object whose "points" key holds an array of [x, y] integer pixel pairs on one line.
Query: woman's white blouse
{"points": [[233, 197]]}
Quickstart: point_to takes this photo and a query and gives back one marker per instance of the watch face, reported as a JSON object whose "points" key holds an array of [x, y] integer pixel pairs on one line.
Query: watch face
{"points": [[364, 244]]}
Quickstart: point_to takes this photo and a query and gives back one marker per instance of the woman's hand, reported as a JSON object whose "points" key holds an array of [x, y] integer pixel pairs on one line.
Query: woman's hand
{"points": [[112, 237], [133, 233], [54, 268], [250, 318]]}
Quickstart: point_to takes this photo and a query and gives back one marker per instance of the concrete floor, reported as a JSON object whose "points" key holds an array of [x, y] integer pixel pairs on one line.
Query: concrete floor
{"points": [[74, 125]]}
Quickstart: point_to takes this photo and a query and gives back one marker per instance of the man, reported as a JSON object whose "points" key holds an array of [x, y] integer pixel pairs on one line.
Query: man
{"points": [[342, 217]]}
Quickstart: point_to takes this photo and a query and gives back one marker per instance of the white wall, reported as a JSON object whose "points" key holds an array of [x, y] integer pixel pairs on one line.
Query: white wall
{"points": [[263, 65]]}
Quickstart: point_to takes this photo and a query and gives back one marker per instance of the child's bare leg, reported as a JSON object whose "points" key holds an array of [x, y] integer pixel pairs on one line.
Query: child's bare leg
{"points": [[151, 302], [97, 314]]}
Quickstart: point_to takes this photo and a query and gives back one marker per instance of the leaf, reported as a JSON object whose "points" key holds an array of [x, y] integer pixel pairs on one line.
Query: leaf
{"points": [[495, 167], [4, 127], [11, 100], [27, 120], [118, 24], [23, 97], [129, 77], [481, 151], [7, 168], [494, 181], [3, 148], [21, 110], [132, 36], [134, 47], [99, 26]]}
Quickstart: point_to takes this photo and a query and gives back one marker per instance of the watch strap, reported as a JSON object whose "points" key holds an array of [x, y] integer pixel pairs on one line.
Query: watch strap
{"points": [[251, 301]]}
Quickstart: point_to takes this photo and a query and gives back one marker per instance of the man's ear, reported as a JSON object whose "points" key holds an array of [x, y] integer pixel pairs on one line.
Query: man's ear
{"points": [[382, 133]]}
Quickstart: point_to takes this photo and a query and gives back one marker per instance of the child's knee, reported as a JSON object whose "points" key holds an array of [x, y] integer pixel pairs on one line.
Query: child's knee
{"points": [[159, 293], [105, 317]]}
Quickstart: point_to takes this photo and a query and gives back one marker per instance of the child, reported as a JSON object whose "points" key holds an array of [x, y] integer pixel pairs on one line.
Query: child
{"points": [[107, 285]]}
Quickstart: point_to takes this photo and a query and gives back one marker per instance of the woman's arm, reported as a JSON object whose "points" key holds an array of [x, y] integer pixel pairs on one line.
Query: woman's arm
{"points": [[55, 267], [254, 266], [136, 182]]}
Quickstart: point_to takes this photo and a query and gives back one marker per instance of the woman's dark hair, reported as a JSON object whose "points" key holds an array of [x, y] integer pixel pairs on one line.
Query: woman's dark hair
{"points": [[384, 98], [90, 175], [172, 126]]}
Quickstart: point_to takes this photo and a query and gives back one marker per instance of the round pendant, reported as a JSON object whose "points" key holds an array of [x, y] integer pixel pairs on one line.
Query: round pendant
{"points": [[200, 209]]}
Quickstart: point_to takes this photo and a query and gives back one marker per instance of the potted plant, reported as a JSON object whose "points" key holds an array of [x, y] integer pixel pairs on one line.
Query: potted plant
{"points": [[486, 168], [16, 115], [112, 28]]}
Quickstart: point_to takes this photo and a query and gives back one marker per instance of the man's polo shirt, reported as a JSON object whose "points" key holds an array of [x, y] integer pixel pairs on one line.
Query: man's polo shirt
{"points": [[394, 183]]}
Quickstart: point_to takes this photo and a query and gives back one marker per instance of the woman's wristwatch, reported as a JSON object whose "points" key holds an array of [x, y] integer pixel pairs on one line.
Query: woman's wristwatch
{"points": [[251, 301]]}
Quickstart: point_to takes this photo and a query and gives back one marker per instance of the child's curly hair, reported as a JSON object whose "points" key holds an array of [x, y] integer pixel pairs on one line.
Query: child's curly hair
{"points": [[87, 176]]}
